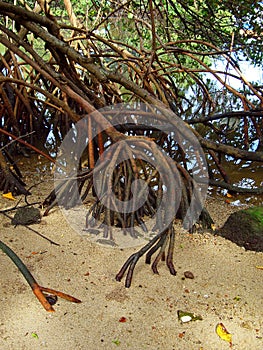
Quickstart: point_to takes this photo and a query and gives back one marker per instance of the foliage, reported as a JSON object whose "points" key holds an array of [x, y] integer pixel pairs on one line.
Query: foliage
{"points": [[166, 47]]}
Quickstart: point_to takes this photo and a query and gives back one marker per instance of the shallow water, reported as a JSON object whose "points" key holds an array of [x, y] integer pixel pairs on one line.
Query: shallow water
{"points": [[245, 174], [241, 173]]}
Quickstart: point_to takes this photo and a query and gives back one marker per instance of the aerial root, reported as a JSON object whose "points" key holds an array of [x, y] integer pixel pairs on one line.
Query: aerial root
{"points": [[158, 242]]}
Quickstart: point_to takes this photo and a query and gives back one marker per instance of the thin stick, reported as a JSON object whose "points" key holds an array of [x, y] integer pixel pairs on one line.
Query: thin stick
{"points": [[31, 229]]}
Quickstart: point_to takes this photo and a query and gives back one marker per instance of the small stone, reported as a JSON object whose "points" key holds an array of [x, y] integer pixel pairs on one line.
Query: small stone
{"points": [[43, 222], [188, 274], [52, 299], [186, 318]]}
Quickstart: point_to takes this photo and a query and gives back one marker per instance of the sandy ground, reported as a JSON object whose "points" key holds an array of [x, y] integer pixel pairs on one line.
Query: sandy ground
{"points": [[227, 288]]}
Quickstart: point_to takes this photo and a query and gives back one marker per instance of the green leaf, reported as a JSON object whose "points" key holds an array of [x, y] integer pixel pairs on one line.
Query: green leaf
{"points": [[116, 342]]}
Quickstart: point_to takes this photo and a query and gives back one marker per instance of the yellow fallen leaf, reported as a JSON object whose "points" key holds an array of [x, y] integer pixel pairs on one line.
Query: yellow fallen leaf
{"points": [[229, 195], [213, 227], [9, 196], [259, 267], [223, 333]]}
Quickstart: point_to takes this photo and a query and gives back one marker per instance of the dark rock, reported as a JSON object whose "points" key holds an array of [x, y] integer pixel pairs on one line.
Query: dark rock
{"points": [[245, 228], [26, 216]]}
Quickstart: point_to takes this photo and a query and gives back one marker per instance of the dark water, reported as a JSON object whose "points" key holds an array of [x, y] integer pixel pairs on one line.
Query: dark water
{"points": [[245, 174], [242, 173]]}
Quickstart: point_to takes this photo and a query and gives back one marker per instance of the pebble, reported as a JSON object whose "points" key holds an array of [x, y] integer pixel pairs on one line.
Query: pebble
{"points": [[188, 274]]}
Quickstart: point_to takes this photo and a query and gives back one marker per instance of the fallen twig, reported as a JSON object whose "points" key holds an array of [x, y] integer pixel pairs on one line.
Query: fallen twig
{"points": [[37, 289], [29, 228]]}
